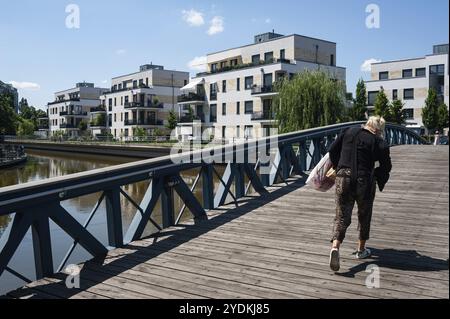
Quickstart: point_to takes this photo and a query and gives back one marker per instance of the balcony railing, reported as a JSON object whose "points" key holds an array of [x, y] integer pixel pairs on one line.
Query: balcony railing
{"points": [[130, 105], [43, 126], [66, 100], [65, 125], [190, 119], [98, 109], [246, 65], [140, 86], [258, 116], [67, 113], [143, 122], [263, 89], [190, 97]]}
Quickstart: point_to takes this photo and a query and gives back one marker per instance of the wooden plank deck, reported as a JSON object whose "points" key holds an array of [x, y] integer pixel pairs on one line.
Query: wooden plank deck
{"points": [[278, 246]]}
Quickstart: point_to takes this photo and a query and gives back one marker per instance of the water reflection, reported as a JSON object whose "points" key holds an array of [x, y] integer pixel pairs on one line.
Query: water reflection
{"points": [[42, 165]]}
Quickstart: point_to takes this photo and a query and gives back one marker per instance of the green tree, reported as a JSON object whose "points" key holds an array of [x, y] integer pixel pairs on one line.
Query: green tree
{"points": [[82, 126], [309, 99], [25, 128], [381, 105], [430, 113], [442, 117], [359, 109], [8, 117], [395, 112], [140, 133], [172, 120]]}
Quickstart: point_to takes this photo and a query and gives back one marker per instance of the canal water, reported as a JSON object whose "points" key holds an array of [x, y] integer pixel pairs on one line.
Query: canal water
{"points": [[44, 164]]}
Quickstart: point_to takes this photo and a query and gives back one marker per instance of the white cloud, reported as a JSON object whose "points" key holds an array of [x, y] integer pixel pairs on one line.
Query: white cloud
{"points": [[121, 51], [216, 25], [198, 63], [366, 66], [268, 20], [25, 85], [193, 18]]}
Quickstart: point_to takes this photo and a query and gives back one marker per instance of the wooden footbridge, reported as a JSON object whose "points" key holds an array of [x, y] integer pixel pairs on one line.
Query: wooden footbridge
{"points": [[270, 243]]}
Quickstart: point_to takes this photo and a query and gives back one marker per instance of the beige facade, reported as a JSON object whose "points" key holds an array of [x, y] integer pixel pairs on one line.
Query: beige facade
{"points": [[142, 100]]}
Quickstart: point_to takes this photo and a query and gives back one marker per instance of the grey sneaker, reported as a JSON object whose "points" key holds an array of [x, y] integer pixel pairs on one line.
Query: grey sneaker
{"points": [[334, 259], [366, 253]]}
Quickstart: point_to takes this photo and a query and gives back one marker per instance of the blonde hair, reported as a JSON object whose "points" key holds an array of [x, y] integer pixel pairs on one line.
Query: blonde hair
{"points": [[376, 125]]}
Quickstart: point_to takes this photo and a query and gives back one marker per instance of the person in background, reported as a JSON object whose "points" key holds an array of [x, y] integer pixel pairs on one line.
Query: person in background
{"points": [[353, 155], [436, 138]]}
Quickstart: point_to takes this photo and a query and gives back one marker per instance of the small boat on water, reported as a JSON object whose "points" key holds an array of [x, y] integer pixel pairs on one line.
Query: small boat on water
{"points": [[11, 155]]}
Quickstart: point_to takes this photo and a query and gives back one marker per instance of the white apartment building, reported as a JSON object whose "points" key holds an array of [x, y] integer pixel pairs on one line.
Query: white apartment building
{"points": [[233, 99], [71, 107], [142, 100], [410, 80]]}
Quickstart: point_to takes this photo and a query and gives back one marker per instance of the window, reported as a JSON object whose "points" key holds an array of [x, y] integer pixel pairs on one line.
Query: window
{"points": [[420, 72], [408, 114], [185, 82], [121, 100], [407, 73], [437, 69], [141, 82], [126, 100], [135, 84], [223, 64], [238, 131], [120, 86], [383, 75], [224, 129], [282, 54], [238, 108], [238, 84], [213, 91], [408, 94], [371, 96], [146, 81], [224, 108], [214, 67], [213, 113], [224, 86], [394, 94], [115, 117], [332, 60], [248, 82], [248, 131], [268, 57], [256, 58], [248, 107], [234, 62]]}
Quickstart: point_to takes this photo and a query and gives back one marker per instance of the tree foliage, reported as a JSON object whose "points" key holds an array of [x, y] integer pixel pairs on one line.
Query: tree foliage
{"points": [[430, 113], [442, 117], [172, 120], [359, 109], [381, 105], [309, 99], [25, 128], [8, 117], [395, 112]]}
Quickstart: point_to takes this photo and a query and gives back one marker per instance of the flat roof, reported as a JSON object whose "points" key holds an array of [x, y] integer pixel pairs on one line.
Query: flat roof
{"points": [[164, 70], [410, 59], [273, 39]]}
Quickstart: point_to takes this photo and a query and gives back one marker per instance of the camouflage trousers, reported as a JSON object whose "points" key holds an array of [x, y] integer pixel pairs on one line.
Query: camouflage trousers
{"points": [[345, 201]]}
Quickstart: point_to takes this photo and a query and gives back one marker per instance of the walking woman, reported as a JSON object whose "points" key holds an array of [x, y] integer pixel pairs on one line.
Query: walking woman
{"points": [[353, 155]]}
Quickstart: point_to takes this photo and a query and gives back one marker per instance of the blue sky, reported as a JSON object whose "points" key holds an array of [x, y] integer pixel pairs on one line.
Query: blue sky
{"points": [[41, 55]]}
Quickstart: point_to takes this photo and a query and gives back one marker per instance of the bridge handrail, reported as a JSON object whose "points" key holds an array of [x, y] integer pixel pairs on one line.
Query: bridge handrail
{"points": [[34, 204]]}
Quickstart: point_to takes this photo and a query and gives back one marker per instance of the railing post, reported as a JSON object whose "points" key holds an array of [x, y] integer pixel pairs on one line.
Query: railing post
{"points": [[302, 156], [167, 206], [208, 186], [42, 246], [239, 180], [285, 162], [114, 217]]}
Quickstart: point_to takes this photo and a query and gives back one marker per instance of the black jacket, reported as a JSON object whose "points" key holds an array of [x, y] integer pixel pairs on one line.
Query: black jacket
{"points": [[370, 149]]}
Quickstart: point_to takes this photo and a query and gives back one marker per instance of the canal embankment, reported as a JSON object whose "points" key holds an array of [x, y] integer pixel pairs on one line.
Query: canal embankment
{"points": [[123, 150]]}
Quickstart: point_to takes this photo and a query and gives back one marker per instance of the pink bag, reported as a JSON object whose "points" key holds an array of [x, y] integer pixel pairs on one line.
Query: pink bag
{"points": [[322, 177]]}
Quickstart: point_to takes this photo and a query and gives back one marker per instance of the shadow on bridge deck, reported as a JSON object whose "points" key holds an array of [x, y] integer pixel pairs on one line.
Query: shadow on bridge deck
{"points": [[277, 246]]}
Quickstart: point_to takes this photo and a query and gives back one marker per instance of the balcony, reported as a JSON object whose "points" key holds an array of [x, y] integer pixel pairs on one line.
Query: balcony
{"points": [[263, 116], [136, 87], [191, 97], [247, 65], [263, 90], [143, 122], [68, 113], [66, 125], [99, 109], [43, 126], [150, 105], [190, 119], [63, 101]]}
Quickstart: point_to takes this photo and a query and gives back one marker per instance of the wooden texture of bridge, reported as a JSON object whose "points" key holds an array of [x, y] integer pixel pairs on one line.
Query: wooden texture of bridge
{"points": [[277, 246]]}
